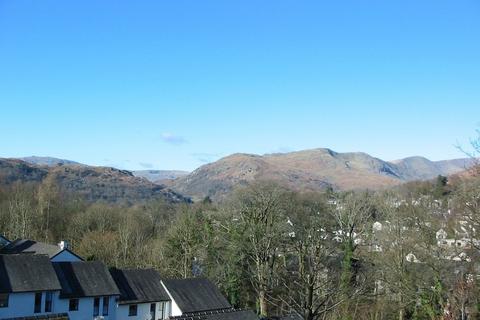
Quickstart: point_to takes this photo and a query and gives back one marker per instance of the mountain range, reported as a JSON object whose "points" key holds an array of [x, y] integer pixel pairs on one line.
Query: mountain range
{"points": [[307, 170], [160, 176], [310, 170], [93, 184]]}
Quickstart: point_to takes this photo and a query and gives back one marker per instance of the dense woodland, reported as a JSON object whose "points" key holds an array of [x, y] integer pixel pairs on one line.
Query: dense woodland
{"points": [[331, 255], [278, 251]]}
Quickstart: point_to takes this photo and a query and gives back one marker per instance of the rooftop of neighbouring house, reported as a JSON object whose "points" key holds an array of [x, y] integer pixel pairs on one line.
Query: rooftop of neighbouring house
{"points": [[139, 285], [85, 279], [207, 296], [34, 247], [26, 273], [223, 314]]}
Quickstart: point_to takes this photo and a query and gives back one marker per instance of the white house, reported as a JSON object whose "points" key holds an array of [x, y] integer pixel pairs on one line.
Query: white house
{"points": [[56, 253], [377, 226], [441, 235], [142, 295], [199, 299], [87, 290], [43, 281], [28, 286], [190, 296], [226, 314]]}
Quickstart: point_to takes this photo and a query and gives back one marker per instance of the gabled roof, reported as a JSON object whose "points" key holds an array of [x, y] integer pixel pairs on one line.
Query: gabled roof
{"points": [[139, 285], [30, 246], [223, 314], [34, 247], [196, 294], [84, 279], [27, 272]]}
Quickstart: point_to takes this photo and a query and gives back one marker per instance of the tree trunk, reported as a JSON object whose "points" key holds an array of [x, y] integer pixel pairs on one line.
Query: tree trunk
{"points": [[262, 299]]}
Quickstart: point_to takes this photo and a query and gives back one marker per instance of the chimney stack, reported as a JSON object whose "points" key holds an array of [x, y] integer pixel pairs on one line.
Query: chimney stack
{"points": [[63, 245]]}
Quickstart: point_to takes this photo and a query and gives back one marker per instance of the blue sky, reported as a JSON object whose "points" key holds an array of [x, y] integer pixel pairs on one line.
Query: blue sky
{"points": [[174, 84]]}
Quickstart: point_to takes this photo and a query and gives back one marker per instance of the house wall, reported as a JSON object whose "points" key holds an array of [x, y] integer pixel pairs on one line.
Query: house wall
{"points": [[65, 256], [23, 304], [143, 311], [85, 308], [173, 309]]}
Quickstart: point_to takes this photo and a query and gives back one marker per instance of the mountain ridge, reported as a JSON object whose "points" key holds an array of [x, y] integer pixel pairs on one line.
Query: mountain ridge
{"points": [[303, 170], [310, 170], [93, 184]]}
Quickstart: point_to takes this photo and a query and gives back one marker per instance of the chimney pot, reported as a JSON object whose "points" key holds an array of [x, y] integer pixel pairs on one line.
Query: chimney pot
{"points": [[63, 245]]}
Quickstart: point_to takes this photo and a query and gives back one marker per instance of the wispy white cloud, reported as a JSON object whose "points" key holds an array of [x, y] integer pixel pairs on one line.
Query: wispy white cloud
{"points": [[173, 139], [146, 165], [281, 150]]}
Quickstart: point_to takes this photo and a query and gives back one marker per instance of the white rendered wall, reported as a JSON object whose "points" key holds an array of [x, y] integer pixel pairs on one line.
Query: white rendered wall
{"points": [[23, 304], [85, 308], [173, 309], [143, 311]]}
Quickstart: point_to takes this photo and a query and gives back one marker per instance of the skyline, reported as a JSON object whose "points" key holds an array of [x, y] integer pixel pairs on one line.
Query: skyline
{"points": [[154, 85]]}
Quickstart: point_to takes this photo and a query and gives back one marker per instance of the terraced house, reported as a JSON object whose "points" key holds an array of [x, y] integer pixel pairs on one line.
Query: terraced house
{"points": [[44, 281]]}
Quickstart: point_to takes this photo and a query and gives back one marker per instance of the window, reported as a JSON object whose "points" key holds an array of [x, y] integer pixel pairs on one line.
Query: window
{"points": [[153, 308], [3, 300], [132, 310], [38, 302], [161, 310], [96, 306], [106, 300], [73, 305], [48, 301]]}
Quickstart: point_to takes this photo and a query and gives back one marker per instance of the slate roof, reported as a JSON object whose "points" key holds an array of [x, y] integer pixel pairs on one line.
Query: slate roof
{"points": [[34, 247], [85, 279], [26, 273], [224, 314], [196, 294], [139, 285], [30, 246]]}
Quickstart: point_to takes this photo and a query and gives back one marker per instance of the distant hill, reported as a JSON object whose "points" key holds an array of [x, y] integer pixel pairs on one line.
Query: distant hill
{"points": [[420, 168], [12, 170], [94, 184], [159, 176], [308, 170], [311, 170], [48, 161]]}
